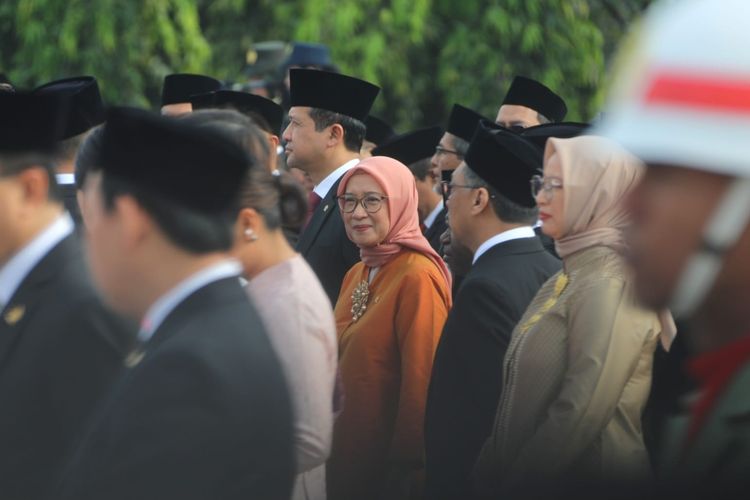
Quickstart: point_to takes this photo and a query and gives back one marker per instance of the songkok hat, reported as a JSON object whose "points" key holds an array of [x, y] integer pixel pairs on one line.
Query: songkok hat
{"points": [[245, 103], [563, 130], [31, 122], [332, 91], [310, 54], [463, 122], [411, 147], [506, 161], [179, 87], [174, 160], [378, 131], [532, 94], [85, 105]]}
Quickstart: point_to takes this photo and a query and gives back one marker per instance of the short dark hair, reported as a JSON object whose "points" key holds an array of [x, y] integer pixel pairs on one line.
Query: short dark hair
{"points": [[190, 230], [14, 163], [460, 145], [87, 158], [67, 149], [505, 209], [421, 168], [354, 130]]}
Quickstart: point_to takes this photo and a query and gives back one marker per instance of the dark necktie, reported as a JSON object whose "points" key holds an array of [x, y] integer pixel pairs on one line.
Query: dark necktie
{"points": [[313, 200]]}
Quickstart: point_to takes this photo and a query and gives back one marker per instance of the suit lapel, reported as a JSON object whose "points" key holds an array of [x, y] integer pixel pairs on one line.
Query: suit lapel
{"points": [[327, 206], [430, 233], [21, 307], [213, 294]]}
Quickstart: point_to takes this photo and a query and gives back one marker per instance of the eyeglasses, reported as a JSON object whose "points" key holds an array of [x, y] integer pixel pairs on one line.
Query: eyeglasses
{"points": [[448, 188], [371, 203], [540, 184], [439, 150]]}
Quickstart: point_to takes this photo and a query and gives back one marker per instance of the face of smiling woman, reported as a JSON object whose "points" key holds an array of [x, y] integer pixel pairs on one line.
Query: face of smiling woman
{"points": [[366, 229]]}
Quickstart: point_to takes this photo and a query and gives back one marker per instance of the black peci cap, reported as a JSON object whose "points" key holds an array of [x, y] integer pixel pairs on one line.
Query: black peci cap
{"points": [[332, 91], [85, 108], [463, 122], [411, 147], [174, 160], [378, 131], [506, 161], [532, 94], [178, 87], [563, 130], [31, 122], [245, 103]]}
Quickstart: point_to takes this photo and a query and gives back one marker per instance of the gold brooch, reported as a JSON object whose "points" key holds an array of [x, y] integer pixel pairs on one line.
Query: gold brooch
{"points": [[14, 315], [359, 300]]}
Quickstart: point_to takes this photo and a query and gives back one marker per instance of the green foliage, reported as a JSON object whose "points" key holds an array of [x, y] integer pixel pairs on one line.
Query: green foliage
{"points": [[426, 54]]}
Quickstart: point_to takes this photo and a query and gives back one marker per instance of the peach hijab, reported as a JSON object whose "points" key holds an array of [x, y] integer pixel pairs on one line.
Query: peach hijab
{"points": [[597, 175], [398, 185]]}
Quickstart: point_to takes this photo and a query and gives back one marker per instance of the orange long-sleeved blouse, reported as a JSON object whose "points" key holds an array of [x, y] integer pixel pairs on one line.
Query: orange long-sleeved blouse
{"points": [[385, 361]]}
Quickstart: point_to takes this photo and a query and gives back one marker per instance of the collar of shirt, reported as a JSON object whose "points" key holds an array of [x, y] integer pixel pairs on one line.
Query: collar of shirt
{"points": [[20, 265], [65, 178], [430, 219], [160, 309], [511, 234], [326, 184]]}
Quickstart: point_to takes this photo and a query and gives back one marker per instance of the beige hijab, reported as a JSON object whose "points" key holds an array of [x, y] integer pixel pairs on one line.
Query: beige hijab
{"points": [[597, 175]]}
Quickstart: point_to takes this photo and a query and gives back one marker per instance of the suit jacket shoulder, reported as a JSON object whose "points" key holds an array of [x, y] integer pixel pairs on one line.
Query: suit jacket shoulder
{"points": [[59, 343], [203, 411]]}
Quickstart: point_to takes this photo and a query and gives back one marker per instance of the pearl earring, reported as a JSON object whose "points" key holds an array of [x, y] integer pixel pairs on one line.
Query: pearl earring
{"points": [[250, 235]]}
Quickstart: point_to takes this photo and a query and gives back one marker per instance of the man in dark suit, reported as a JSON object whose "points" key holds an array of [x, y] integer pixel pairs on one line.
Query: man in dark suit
{"points": [[60, 349], [202, 410], [323, 138], [491, 213], [448, 155], [415, 150], [85, 110]]}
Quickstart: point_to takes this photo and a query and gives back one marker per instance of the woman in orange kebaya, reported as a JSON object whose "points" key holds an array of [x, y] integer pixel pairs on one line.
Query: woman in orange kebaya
{"points": [[389, 316]]}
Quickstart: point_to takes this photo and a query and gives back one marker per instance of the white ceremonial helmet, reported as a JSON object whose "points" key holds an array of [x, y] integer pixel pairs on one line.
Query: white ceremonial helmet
{"points": [[682, 97]]}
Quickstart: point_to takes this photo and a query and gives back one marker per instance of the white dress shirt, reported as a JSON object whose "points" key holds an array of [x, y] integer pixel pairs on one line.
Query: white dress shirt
{"points": [[65, 178], [511, 234], [326, 184], [22, 262], [430, 219], [160, 309]]}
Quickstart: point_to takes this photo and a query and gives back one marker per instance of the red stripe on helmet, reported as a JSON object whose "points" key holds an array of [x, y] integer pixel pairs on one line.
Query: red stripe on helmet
{"points": [[730, 95]]}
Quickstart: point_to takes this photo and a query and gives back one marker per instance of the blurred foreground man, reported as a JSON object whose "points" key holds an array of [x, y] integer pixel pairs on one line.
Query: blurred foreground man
{"points": [[201, 410], [683, 106], [59, 348]]}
